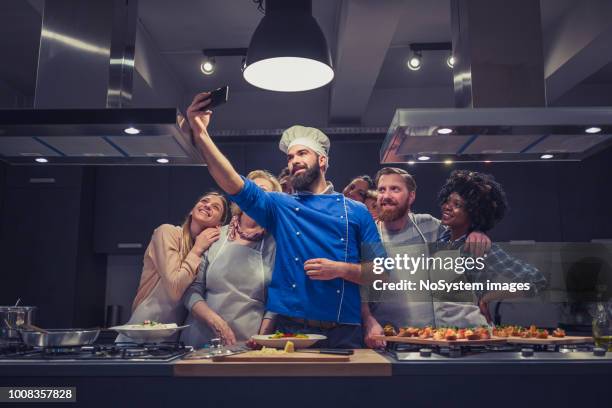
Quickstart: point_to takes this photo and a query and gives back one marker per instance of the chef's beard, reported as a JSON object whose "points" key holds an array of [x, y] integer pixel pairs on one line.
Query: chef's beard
{"points": [[303, 181], [388, 215]]}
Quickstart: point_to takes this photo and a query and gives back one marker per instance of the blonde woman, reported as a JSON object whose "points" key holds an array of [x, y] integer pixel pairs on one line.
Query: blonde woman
{"points": [[227, 300], [172, 259]]}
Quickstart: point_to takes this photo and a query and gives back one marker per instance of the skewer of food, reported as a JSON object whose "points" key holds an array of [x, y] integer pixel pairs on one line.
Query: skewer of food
{"points": [[439, 333], [532, 332]]}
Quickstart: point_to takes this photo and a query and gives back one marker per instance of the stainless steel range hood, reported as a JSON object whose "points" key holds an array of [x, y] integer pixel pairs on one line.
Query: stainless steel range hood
{"points": [[84, 90], [499, 98], [496, 134], [96, 137]]}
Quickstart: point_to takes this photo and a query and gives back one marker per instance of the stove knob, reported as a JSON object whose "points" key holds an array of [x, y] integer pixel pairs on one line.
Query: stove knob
{"points": [[599, 352], [425, 352], [527, 352]]}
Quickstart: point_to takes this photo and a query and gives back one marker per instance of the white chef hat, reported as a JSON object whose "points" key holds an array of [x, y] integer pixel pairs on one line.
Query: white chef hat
{"points": [[305, 136]]}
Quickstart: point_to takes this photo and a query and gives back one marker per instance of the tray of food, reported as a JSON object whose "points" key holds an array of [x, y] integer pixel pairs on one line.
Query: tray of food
{"points": [[148, 331], [280, 339], [535, 335], [440, 336]]}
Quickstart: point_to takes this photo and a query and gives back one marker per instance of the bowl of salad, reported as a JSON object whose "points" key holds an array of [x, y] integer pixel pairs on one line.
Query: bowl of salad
{"points": [[279, 339]]}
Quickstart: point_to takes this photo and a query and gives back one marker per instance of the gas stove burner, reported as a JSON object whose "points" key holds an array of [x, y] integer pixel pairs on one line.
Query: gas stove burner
{"points": [[61, 350], [174, 345], [119, 352], [10, 348], [135, 352], [502, 347]]}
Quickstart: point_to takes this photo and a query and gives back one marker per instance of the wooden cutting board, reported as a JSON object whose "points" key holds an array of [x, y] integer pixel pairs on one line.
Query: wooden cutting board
{"points": [[549, 340], [297, 357], [443, 343]]}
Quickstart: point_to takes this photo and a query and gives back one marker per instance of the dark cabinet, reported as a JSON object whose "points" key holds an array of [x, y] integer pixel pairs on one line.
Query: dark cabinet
{"points": [[130, 203], [584, 198], [531, 189], [38, 247], [43, 176]]}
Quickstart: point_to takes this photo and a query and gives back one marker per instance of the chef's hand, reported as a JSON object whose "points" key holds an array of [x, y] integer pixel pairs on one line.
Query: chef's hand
{"points": [[371, 328], [250, 343], [205, 239], [197, 115], [221, 328], [323, 269], [477, 244]]}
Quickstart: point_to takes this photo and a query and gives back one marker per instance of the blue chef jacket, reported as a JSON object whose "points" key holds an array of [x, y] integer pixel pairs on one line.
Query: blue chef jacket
{"points": [[307, 226]]}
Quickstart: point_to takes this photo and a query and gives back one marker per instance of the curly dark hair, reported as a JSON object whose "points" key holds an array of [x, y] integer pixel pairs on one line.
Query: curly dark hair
{"points": [[485, 199]]}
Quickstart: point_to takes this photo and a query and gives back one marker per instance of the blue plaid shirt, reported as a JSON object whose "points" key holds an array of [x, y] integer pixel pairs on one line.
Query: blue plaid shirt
{"points": [[499, 266]]}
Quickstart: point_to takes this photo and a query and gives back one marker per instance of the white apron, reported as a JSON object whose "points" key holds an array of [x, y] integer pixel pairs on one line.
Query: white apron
{"points": [[157, 306], [455, 314], [235, 288], [399, 310]]}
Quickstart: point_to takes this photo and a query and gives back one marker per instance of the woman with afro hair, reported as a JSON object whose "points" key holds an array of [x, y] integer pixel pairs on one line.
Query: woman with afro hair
{"points": [[473, 201]]}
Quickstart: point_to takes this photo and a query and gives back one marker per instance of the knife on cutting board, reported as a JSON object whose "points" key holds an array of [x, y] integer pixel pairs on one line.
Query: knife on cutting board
{"points": [[340, 352]]}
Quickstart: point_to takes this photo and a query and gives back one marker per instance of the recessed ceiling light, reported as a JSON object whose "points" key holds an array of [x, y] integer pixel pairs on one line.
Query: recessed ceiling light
{"points": [[41, 160], [450, 61], [546, 156], [163, 160], [208, 66], [448, 162], [593, 129], [410, 162], [444, 131], [131, 130], [423, 158], [414, 62]]}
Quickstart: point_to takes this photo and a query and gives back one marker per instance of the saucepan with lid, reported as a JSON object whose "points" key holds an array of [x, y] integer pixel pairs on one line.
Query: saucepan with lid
{"points": [[12, 318]]}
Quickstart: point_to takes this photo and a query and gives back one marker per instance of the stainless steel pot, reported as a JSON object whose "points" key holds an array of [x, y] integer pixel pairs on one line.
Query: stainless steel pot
{"points": [[12, 317], [59, 337]]}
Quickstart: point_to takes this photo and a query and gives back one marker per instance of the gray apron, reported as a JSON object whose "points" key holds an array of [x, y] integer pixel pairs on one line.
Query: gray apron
{"points": [[235, 288]]}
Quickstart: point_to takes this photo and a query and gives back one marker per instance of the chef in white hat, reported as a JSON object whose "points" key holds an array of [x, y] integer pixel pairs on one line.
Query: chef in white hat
{"points": [[299, 143], [320, 234]]}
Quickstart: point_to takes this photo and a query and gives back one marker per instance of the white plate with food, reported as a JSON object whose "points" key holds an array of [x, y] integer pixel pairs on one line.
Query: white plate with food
{"points": [[149, 331], [279, 339]]}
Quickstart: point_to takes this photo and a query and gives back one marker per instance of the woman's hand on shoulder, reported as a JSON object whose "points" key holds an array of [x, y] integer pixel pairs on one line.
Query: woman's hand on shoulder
{"points": [[205, 239]]}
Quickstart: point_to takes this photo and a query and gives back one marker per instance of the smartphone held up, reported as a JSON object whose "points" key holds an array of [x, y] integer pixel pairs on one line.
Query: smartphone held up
{"points": [[218, 97]]}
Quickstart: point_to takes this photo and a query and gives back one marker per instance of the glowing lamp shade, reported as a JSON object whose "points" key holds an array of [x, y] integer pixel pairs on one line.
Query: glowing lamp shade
{"points": [[288, 51], [288, 74]]}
